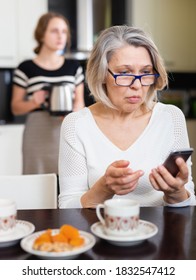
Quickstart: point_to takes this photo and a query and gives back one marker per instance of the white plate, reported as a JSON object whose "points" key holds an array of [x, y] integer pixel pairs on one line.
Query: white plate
{"points": [[22, 229], [27, 245], [145, 231]]}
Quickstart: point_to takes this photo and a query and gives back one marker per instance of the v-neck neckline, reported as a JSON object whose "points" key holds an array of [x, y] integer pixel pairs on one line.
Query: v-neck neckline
{"points": [[109, 142]]}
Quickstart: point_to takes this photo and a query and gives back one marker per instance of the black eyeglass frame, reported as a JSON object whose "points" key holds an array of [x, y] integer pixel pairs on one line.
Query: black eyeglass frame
{"points": [[115, 76]]}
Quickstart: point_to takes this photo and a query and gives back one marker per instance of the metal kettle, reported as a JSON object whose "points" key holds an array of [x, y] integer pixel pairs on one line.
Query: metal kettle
{"points": [[60, 99]]}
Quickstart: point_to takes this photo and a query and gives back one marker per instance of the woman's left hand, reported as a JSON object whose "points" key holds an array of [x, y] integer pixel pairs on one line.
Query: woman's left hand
{"points": [[173, 187]]}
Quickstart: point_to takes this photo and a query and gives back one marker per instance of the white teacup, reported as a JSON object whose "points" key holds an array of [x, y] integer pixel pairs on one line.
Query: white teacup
{"points": [[8, 211], [121, 216]]}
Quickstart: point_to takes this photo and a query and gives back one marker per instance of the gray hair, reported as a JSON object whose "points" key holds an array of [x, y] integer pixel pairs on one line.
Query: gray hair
{"points": [[108, 42]]}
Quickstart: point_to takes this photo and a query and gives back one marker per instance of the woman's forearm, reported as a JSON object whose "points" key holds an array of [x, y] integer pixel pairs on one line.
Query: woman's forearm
{"points": [[79, 98], [24, 107], [98, 193]]}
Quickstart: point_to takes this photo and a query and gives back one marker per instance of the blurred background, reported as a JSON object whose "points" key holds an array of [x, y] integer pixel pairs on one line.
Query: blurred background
{"points": [[171, 23]]}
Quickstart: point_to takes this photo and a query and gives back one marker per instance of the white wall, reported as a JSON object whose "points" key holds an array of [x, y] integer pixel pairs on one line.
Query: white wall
{"points": [[18, 19], [171, 23], [29, 12]]}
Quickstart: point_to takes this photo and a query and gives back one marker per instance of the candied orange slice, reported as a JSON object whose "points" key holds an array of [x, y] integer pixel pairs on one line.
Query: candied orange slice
{"points": [[67, 238], [59, 238], [69, 231], [77, 241], [44, 237]]}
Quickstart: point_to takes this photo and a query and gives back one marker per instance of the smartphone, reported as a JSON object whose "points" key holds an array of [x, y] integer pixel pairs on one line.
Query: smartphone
{"points": [[170, 163]]}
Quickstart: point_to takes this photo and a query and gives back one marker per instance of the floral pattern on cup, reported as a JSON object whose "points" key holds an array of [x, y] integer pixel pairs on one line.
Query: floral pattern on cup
{"points": [[121, 223], [7, 223]]}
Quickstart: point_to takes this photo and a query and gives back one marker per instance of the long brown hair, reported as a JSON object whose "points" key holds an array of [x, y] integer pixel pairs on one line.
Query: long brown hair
{"points": [[42, 26]]}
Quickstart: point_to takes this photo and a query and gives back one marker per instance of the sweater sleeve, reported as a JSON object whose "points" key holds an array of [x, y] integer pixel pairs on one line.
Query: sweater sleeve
{"points": [[20, 77], [72, 164], [182, 141]]}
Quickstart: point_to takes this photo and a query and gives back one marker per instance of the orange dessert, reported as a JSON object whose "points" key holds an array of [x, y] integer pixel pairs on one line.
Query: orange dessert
{"points": [[67, 239]]}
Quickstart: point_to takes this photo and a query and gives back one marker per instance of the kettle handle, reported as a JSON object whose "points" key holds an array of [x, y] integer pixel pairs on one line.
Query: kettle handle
{"points": [[48, 88]]}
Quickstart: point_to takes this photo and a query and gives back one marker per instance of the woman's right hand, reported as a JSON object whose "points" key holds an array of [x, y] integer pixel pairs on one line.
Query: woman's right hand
{"points": [[120, 179]]}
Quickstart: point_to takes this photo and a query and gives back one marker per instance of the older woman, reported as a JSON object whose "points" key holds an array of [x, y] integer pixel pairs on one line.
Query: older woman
{"points": [[116, 147]]}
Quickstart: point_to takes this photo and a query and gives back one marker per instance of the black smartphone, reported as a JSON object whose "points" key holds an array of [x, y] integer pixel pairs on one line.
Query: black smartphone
{"points": [[170, 163]]}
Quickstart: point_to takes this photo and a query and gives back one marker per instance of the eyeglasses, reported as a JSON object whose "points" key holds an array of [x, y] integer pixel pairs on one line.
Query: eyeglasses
{"points": [[126, 80]]}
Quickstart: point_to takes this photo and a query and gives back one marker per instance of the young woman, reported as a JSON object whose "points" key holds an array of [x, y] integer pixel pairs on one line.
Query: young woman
{"points": [[41, 134], [116, 147]]}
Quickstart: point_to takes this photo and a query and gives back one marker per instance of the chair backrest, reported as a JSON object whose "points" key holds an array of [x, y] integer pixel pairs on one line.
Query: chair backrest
{"points": [[36, 191]]}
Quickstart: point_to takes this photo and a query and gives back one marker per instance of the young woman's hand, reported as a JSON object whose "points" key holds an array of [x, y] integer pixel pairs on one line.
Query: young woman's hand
{"points": [[39, 97]]}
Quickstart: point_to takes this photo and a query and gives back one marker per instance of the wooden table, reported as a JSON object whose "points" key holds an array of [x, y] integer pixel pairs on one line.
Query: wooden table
{"points": [[176, 238]]}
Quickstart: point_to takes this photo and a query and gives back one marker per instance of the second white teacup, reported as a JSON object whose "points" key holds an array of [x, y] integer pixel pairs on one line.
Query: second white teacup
{"points": [[8, 211], [121, 216]]}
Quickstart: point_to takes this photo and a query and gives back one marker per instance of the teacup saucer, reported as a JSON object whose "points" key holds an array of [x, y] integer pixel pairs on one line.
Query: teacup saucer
{"points": [[22, 229], [145, 231]]}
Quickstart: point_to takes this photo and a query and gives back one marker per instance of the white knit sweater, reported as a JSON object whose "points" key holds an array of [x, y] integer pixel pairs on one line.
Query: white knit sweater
{"points": [[85, 153]]}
